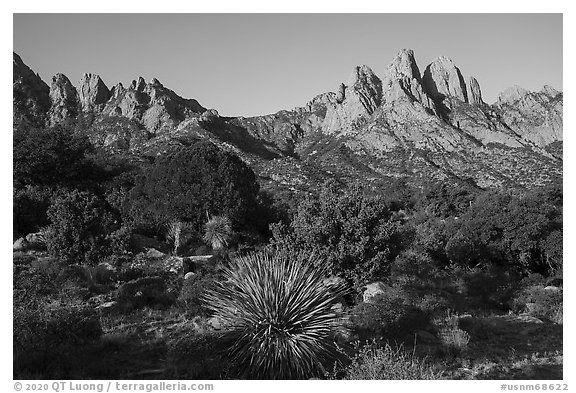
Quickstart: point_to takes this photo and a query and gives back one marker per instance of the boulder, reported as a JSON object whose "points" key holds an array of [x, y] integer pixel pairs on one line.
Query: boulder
{"points": [[551, 288], [20, 244], [216, 323], [36, 241], [145, 291], [373, 290]]}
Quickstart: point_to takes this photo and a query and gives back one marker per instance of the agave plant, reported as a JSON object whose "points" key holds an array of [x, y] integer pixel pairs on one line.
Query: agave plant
{"points": [[217, 232], [279, 309]]}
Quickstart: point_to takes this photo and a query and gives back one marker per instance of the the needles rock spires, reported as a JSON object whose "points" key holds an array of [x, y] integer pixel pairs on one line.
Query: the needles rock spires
{"points": [[403, 80], [443, 82], [404, 125], [158, 109], [354, 102], [31, 96], [92, 93], [64, 99], [474, 92]]}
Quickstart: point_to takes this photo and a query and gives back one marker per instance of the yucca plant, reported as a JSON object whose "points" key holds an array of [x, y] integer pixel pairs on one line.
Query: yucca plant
{"points": [[174, 234], [218, 232], [279, 309]]}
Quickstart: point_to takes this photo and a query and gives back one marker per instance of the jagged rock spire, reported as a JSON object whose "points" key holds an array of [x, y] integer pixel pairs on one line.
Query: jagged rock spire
{"points": [[92, 93], [442, 80]]}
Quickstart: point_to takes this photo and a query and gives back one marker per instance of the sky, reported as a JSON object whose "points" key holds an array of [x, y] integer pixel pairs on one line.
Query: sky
{"points": [[254, 64]]}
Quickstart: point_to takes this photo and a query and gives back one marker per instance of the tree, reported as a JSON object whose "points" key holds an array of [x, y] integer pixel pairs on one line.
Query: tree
{"points": [[355, 232], [193, 182], [53, 156], [80, 223]]}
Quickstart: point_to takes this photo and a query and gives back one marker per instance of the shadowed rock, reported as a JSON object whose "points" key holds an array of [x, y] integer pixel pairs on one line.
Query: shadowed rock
{"points": [[92, 93]]}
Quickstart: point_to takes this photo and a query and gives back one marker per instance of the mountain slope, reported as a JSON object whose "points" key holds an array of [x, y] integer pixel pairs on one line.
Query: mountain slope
{"points": [[405, 125]]}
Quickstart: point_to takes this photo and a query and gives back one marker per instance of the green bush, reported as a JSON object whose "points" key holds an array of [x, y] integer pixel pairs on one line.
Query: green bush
{"points": [[45, 334], [80, 223], [389, 315], [52, 156], [197, 180], [351, 229], [540, 302], [198, 356], [387, 363], [279, 309], [30, 208]]}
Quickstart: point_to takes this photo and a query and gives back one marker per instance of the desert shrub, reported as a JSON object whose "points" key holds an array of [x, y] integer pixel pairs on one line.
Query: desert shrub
{"points": [[30, 208], [349, 228], [197, 180], [455, 340], [45, 334], [487, 288], [540, 302], [38, 278], [120, 241], [52, 156], [80, 222], [198, 356], [389, 314], [193, 290], [279, 309], [521, 231], [387, 363]]}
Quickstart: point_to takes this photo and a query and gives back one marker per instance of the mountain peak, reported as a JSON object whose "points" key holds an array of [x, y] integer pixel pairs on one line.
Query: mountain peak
{"points": [[512, 94], [92, 93], [405, 65], [31, 98], [64, 98], [442, 80]]}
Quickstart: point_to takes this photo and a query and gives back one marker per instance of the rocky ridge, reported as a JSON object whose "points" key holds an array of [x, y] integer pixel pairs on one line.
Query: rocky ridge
{"points": [[403, 125]]}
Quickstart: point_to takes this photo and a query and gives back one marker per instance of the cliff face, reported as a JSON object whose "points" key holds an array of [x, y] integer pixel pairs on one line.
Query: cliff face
{"points": [[31, 98], [402, 125]]}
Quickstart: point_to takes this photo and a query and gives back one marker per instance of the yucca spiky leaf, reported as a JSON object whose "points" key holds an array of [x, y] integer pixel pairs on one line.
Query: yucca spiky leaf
{"points": [[280, 309], [217, 232]]}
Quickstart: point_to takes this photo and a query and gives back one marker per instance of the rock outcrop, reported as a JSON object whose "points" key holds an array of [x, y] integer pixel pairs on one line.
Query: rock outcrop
{"points": [[474, 92], [156, 107], [403, 80], [404, 125], [64, 100], [535, 116], [31, 96], [443, 82], [92, 93], [355, 102]]}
